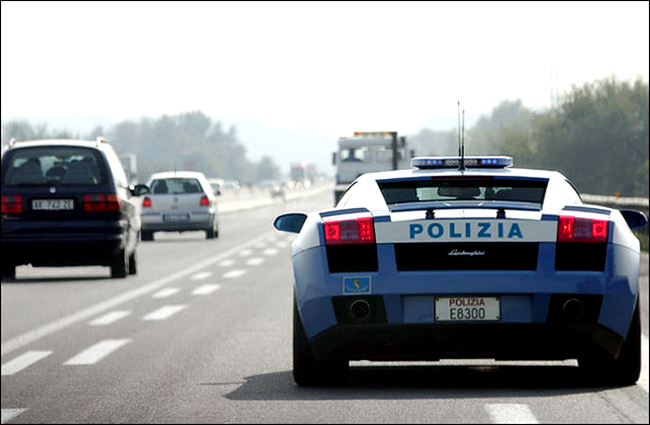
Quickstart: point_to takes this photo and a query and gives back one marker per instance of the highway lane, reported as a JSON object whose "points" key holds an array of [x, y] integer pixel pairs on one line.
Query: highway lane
{"points": [[203, 334]]}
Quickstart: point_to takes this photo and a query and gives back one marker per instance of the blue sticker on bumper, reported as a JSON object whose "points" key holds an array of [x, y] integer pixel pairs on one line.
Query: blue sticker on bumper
{"points": [[356, 285]]}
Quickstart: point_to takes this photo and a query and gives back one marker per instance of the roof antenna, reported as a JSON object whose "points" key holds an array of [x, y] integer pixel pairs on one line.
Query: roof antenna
{"points": [[459, 128], [462, 167]]}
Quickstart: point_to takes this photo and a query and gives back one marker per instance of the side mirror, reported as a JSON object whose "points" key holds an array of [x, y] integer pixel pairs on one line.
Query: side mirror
{"points": [[290, 222], [634, 219], [140, 189]]}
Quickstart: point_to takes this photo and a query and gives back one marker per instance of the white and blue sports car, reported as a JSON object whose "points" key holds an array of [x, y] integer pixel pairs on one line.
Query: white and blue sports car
{"points": [[465, 258]]}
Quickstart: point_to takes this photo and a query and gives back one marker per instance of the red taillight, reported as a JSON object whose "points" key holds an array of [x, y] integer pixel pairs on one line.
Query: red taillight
{"points": [[205, 201], [12, 204], [99, 202], [360, 230], [581, 229], [146, 202]]}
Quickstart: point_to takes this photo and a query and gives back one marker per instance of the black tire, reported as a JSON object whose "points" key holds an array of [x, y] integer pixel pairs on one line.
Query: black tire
{"points": [[133, 264], [146, 235], [8, 272], [210, 233], [120, 265], [626, 369], [307, 371]]}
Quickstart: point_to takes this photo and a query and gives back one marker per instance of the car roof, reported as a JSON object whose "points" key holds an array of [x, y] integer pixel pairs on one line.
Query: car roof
{"points": [[55, 142], [446, 172], [177, 174]]}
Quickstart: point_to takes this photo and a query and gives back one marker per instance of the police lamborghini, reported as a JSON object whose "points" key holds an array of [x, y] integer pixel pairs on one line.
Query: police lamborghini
{"points": [[465, 258]]}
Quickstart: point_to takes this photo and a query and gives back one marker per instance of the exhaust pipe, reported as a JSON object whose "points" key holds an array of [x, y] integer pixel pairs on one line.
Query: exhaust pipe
{"points": [[573, 309], [360, 310]]}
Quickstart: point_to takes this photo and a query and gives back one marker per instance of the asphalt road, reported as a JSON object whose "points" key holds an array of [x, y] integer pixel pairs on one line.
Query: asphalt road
{"points": [[203, 334]]}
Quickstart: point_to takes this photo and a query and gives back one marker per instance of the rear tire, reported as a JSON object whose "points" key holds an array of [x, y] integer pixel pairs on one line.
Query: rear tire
{"points": [[307, 371], [212, 232], [133, 264], [146, 235], [120, 265], [626, 369], [8, 272]]}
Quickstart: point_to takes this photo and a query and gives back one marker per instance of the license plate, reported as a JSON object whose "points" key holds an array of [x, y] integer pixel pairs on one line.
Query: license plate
{"points": [[176, 217], [52, 204], [465, 308]]}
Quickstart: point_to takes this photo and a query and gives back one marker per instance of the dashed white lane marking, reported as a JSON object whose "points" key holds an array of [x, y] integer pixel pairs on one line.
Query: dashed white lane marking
{"points": [[21, 362], [88, 312], [510, 413], [255, 261], [227, 263], [110, 318], [245, 252], [643, 379], [282, 244], [201, 275], [234, 274], [164, 313], [9, 414], [166, 292], [205, 289], [97, 352], [270, 251], [260, 245]]}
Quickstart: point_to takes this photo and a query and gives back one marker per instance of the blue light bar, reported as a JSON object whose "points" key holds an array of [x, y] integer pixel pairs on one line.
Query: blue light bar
{"points": [[433, 162]]}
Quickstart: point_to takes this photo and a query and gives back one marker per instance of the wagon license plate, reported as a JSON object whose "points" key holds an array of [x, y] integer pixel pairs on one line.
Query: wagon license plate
{"points": [[52, 204], [176, 217], [467, 308]]}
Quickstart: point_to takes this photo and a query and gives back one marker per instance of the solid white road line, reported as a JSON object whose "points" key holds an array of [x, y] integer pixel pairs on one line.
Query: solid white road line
{"points": [[45, 330], [234, 274], [21, 362], [511, 413], [110, 318], [9, 414], [201, 275], [255, 261], [205, 289], [643, 379], [166, 292], [97, 352], [164, 312]]}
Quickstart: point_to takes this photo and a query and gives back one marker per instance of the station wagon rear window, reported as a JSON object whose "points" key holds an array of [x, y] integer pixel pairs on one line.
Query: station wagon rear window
{"points": [[55, 165], [463, 189]]}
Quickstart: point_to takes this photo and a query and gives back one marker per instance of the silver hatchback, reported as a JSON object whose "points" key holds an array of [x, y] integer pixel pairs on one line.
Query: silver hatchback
{"points": [[179, 201]]}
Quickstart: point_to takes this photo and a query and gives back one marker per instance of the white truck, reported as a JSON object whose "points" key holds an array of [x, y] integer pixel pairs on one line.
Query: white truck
{"points": [[367, 152]]}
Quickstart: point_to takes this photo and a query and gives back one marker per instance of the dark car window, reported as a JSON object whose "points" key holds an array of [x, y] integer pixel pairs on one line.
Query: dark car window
{"points": [[176, 186], [62, 166], [464, 189]]}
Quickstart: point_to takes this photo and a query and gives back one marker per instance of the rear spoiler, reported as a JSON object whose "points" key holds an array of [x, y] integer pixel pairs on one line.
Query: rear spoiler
{"points": [[446, 205]]}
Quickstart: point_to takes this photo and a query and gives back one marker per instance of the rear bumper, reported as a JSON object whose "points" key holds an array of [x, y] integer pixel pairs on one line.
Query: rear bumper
{"points": [[464, 341], [153, 222], [63, 250]]}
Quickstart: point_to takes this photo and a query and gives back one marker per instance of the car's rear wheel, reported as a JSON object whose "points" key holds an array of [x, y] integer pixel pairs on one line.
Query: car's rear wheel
{"points": [[146, 235], [307, 370], [212, 232], [626, 369], [133, 264], [120, 265], [8, 272]]}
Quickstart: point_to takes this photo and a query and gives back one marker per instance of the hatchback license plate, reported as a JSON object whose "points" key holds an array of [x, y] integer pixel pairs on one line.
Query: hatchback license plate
{"points": [[465, 308], [176, 217], [52, 204]]}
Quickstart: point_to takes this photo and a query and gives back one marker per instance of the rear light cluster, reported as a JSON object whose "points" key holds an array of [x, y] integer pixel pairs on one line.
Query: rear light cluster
{"points": [[205, 201], [360, 230], [147, 203], [580, 229], [99, 202], [12, 204]]}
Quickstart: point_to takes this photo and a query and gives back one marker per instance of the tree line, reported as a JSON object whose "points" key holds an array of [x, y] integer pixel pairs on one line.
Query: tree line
{"points": [[597, 136], [185, 141]]}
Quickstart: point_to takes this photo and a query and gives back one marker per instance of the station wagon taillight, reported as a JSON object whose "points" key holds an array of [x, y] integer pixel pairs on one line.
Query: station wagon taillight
{"points": [[99, 202], [360, 230], [581, 229], [12, 204]]}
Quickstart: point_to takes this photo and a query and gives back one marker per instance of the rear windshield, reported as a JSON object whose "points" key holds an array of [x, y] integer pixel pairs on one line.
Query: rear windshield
{"points": [[56, 165], [531, 191], [175, 185]]}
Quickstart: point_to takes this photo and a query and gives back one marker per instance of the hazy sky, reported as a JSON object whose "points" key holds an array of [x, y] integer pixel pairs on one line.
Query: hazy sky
{"points": [[340, 67]]}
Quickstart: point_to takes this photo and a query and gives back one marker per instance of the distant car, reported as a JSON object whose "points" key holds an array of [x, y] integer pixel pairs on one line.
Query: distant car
{"points": [[68, 203], [179, 201], [216, 185], [481, 261], [232, 185]]}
